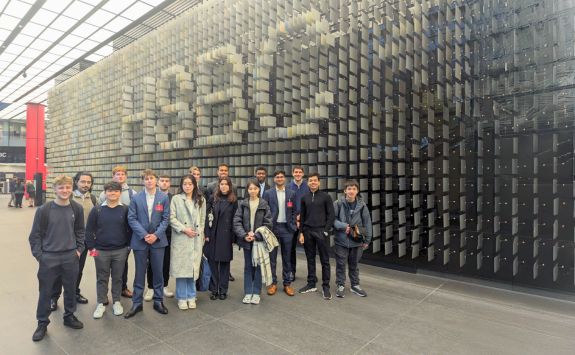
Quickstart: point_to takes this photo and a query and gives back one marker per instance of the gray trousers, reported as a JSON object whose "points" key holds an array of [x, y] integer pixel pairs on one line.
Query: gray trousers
{"points": [[54, 266], [351, 256], [110, 262]]}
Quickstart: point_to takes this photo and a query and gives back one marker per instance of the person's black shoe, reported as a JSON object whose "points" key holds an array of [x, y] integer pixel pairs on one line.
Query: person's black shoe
{"points": [[53, 305], [326, 293], [40, 332], [232, 278], [73, 322], [223, 296], [160, 308], [214, 296], [308, 288], [133, 311], [81, 299]]}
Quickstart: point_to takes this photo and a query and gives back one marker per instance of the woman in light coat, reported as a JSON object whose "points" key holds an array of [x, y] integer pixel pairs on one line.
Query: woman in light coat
{"points": [[187, 218]]}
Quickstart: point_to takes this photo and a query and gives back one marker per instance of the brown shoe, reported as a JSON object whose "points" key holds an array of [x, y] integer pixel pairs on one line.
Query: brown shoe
{"points": [[272, 290], [127, 293], [289, 290]]}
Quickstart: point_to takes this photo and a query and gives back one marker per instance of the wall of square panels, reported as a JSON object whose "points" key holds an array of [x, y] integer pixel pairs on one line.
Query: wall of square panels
{"points": [[455, 116]]}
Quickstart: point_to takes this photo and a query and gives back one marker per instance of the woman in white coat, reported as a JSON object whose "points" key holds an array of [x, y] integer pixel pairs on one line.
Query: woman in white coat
{"points": [[187, 218]]}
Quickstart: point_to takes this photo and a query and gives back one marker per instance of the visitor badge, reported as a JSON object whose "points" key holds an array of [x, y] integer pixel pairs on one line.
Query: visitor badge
{"points": [[290, 204], [94, 252], [159, 207]]}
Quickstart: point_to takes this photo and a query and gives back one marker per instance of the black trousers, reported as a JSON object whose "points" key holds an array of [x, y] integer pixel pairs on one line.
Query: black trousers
{"points": [[293, 253], [19, 198], [351, 256], [52, 267], [166, 269], [315, 242], [57, 291], [220, 276], [125, 274]]}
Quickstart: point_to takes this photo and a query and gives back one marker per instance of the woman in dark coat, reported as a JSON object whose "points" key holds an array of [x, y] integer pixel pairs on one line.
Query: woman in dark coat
{"points": [[252, 213], [220, 237]]}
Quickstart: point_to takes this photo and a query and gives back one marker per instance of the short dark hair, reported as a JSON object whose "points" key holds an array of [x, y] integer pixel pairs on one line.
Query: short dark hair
{"points": [[252, 182], [259, 168], [165, 176], [278, 172], [77, 178], [350, 182], [312, 175], [112, 186], [223, 164], [297, 167]]}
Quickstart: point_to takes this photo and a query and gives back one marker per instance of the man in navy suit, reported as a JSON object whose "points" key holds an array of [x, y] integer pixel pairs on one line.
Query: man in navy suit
{"points": [[149, 216], [282, 206]]}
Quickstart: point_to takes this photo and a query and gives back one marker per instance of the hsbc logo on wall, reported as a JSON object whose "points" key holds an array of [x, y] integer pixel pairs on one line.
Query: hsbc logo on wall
{"points": [[12, 154]]}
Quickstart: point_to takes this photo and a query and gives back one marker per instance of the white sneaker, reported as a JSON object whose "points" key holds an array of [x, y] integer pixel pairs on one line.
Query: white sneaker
{"points": [[168, 293], [182, 304], [99, 312], [192, 303], [247, 299], [256, 299], [117, 308], [149, 295]]}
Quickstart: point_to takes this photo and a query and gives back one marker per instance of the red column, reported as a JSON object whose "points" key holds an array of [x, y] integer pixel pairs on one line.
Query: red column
{"points": [[35, 142]]}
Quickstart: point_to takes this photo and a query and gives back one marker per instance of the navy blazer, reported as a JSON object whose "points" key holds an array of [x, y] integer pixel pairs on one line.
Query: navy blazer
{"points": [[141, 224], [271, 198]]}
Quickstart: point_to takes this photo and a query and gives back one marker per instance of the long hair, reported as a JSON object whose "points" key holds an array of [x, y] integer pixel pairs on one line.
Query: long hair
{"points": [[231, 196], [77, 178], [196, 193]]}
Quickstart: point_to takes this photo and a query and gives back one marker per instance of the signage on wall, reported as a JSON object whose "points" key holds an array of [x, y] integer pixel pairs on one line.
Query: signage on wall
{"points": [[12, 154]]}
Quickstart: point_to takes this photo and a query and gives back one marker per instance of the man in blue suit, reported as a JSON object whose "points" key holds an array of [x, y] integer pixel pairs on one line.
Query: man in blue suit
{"points": [[149, 216], [282, 206]]}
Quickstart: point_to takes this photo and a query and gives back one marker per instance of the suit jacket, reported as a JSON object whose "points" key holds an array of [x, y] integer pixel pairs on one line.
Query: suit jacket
{"points": [[271, 197], [141, 224]]}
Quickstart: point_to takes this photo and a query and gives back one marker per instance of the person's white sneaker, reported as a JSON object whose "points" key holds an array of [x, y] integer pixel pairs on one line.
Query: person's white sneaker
{"points": [[117, 308], [99, 312], [168, 293], [247, 299], [149, 295], [256, 299], [192, 303], [182, 304]]}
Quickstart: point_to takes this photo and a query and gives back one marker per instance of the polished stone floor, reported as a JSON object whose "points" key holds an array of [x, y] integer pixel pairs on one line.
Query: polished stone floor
{"points": [[403, 314]]}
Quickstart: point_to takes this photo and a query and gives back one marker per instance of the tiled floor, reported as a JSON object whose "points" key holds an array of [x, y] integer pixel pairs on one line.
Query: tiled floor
{"points": [[403, 314]]}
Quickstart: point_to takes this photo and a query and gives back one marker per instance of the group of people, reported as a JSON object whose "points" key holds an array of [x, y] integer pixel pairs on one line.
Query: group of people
{"points": [[19, 187], [182, 235]]}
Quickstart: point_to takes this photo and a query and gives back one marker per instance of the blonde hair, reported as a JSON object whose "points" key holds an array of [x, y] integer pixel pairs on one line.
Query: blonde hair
{"points": [[119, 168], [63, 180], [193, 168]]}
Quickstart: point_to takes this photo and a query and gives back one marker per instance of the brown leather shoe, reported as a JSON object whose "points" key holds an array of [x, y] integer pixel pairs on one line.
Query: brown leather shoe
{"points": [[289, 290], [127, 293], [272, 290]]}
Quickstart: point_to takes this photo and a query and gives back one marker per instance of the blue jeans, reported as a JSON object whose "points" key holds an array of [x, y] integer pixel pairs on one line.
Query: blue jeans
{"points": [[185, 288], [252, 275]]}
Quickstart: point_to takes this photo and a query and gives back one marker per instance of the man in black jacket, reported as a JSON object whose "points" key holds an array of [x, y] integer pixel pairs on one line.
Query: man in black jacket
{"points": [[316, 220], [57, 240]]}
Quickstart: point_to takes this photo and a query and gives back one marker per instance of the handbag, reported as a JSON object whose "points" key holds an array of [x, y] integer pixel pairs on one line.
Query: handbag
{"points": [[358, 233], [203, 282]]}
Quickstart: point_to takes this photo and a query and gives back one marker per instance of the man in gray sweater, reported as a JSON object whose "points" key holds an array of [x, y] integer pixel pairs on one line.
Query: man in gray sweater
{"points": [[57, 240]]}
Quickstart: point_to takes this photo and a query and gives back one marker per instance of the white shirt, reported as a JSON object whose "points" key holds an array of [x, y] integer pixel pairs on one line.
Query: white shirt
{"points": [[150, 203], [262, 187], [281, 194]]}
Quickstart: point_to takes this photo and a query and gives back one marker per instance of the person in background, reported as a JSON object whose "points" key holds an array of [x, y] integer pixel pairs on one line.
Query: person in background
{"points": [[261, 175], [56, 241], [351, 213], [108, 239], [12, 196], [83, 182], [120, 175], [31, 191], [316, 220], [18, 193], [164, 185], [299, 186], [197, 174], [187, 218], [149, 216], [281, 202], [251, 214], [220, 237]]}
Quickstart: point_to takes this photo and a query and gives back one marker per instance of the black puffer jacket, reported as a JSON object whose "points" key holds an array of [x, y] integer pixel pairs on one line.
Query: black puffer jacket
{"points": [[242, 220]]}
